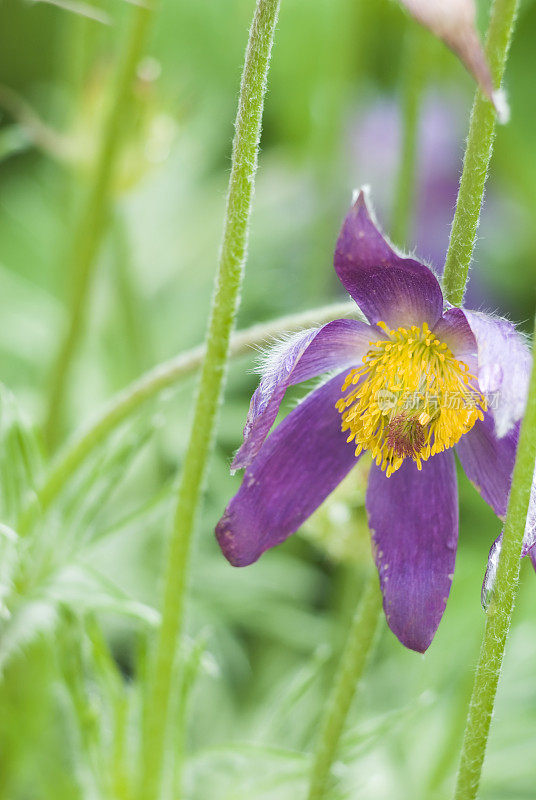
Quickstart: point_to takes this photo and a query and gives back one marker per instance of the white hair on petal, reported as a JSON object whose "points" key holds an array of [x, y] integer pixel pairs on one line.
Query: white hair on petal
{"points": [[524, 335], [277, 350], [504, 360]]}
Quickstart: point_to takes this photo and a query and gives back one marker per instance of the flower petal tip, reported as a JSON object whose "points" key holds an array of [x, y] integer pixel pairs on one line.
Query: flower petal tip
{"points": [[413, 516], [411, 640], [491, 573], [236, 464], [499, 99], [454, 22], [298, 465], [360, 196], [418, 647], [385, 285], [226, 541]]}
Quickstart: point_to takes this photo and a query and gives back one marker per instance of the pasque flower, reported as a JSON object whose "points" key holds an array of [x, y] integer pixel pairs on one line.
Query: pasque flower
{"points": [[410, 386]]}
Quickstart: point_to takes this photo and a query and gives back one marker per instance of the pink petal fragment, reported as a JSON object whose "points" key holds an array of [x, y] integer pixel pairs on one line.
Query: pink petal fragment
{"points": [[454, 22]]}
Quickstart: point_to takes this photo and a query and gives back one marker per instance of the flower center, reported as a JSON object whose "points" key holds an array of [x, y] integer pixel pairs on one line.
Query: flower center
{"points": [[411, 398]]}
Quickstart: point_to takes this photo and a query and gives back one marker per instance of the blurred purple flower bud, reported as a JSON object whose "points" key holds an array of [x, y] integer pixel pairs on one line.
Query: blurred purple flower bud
{"points": [[374, 142]]}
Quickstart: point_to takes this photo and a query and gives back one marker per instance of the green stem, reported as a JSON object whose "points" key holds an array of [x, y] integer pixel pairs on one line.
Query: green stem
{"points": [[211, 384], [358, 646], [91, 225], [477, 156], [415, 62], [499, 614], [148, 386], [127, 299], [448, 748]]}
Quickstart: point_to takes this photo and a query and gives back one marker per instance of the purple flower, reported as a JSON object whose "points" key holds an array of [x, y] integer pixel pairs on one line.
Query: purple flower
{"points": [[412, 384]]}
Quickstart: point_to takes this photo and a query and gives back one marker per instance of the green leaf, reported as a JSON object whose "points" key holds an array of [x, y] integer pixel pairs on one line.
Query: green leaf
{"points": [[20, 459]]}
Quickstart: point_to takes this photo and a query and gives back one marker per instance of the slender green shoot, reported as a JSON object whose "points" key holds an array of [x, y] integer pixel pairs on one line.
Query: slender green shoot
{"points": [[94, 215], [354, 659], [499, 613], [210, 390]]}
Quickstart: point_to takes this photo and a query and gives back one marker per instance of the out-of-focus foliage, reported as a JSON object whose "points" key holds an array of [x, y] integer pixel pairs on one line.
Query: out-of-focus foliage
{"points": [[79, 597]]}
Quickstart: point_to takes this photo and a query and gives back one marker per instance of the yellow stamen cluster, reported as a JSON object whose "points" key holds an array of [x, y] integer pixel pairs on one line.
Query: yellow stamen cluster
{"points": [[411, 398]]}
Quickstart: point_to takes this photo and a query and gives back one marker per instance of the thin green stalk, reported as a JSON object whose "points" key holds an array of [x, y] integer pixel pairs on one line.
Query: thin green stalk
{"points": [[462, 240], [477, 156], [499, 614], [127, 299], [447, 749], [148, 386], [211, 384], [357, 649], [116, 698], [86, 722], [91, 225], [415, 62]]}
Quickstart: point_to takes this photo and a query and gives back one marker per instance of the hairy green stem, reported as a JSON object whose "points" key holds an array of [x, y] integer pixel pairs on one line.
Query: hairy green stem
{"points": [[447, 755], [129, 400], [477, 156], [499, 614], [91, 225], [462, 240], [211, 384], [127, 301], [414, 79], [354, 659]]}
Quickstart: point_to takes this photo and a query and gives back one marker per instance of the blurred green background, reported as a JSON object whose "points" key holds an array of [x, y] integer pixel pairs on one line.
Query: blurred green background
{"points": [[262, 641]]}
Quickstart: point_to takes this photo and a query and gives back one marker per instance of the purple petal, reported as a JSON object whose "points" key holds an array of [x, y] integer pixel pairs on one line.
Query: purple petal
{"points": [[488, 461], [455, 331], [297, 467], [413, 517], [305, 355], [399, 291], [503, 368]]}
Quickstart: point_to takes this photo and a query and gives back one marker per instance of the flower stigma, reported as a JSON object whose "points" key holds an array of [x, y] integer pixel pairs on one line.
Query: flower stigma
{"points": [[411, 398]]}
